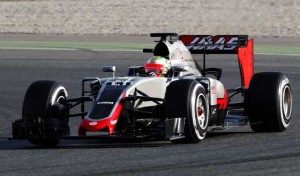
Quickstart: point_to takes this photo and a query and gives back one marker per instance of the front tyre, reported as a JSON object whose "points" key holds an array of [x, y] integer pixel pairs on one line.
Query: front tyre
{"points": [[187, 98], [45, 113], [269, 102]]}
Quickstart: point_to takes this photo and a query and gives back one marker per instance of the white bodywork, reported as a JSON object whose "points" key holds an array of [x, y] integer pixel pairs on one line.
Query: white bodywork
{"points": [[181, 56], [153, 87]]}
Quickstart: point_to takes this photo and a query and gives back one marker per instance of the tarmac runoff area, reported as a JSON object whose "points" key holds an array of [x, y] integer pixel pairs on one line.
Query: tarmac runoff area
{"points": [[264, 46], [237, 151]]}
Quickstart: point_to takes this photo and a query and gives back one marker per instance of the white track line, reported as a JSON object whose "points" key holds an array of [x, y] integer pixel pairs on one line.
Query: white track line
{"points": [[69, 49], [32, 48], [117, 50]]}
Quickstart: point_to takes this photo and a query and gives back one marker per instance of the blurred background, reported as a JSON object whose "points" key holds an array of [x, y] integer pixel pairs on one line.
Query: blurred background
{"points": [[259, 18]]}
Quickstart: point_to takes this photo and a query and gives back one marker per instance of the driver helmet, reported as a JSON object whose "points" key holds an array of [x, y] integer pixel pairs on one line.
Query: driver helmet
{"points": [[157, 66]]}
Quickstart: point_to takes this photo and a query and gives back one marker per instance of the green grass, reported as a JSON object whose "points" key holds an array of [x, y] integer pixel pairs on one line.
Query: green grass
{"points": [[277, 49], [74, 45], [126, 46]]}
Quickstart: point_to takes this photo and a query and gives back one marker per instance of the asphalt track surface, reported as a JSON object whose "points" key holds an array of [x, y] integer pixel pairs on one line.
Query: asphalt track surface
{"points": [[238, 151]]}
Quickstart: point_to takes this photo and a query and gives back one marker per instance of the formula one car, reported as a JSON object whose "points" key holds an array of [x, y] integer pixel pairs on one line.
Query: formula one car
{"points": [[183, 106]]}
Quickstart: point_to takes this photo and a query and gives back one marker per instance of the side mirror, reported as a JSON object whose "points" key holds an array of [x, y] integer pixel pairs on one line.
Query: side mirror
{"points": [[109, 69], [136, 71]]}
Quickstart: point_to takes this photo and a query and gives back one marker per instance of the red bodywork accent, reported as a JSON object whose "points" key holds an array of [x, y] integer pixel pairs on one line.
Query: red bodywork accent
{"points": [[247, 62], [98, 125], [223, 102]]}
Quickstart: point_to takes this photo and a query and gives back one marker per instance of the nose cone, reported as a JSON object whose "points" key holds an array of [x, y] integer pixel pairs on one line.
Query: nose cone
{"points": [[97, 125], [109, 123]]}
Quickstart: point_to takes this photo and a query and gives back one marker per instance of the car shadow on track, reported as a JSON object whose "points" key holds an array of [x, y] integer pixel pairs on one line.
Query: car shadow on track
{"points": [[230, 133], [78, 143], [10, 144]]}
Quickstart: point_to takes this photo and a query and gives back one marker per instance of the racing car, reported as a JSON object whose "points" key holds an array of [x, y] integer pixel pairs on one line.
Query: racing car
{"points": [[186, 102]]}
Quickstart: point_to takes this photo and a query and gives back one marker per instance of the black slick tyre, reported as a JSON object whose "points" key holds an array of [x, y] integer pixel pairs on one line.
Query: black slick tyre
{"points": [[187, 98], [44, 113], [269, 102]]}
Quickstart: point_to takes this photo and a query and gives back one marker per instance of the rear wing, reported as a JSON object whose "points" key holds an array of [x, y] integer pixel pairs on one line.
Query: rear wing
{"points": [[224, 44], [219, 44]]}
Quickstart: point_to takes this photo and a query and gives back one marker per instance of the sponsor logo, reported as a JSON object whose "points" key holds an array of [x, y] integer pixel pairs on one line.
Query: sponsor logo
{"points": [[93, 123], [118, 82], [113, 122], [105, 102], [214, 111], [211, 42]]}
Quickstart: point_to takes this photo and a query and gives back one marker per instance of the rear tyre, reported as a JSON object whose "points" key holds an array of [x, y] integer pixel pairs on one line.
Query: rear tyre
{"points": [[269, 102], [187, 98], [45, 113]]}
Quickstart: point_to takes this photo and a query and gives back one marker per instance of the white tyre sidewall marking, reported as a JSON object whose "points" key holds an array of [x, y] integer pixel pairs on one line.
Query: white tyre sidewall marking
{"points": [[54, 96], [283, 87]]}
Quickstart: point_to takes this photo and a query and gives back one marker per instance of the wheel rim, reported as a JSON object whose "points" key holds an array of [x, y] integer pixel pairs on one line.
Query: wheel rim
{"points": [[201, 111], [287, 103], [61, 99]]}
